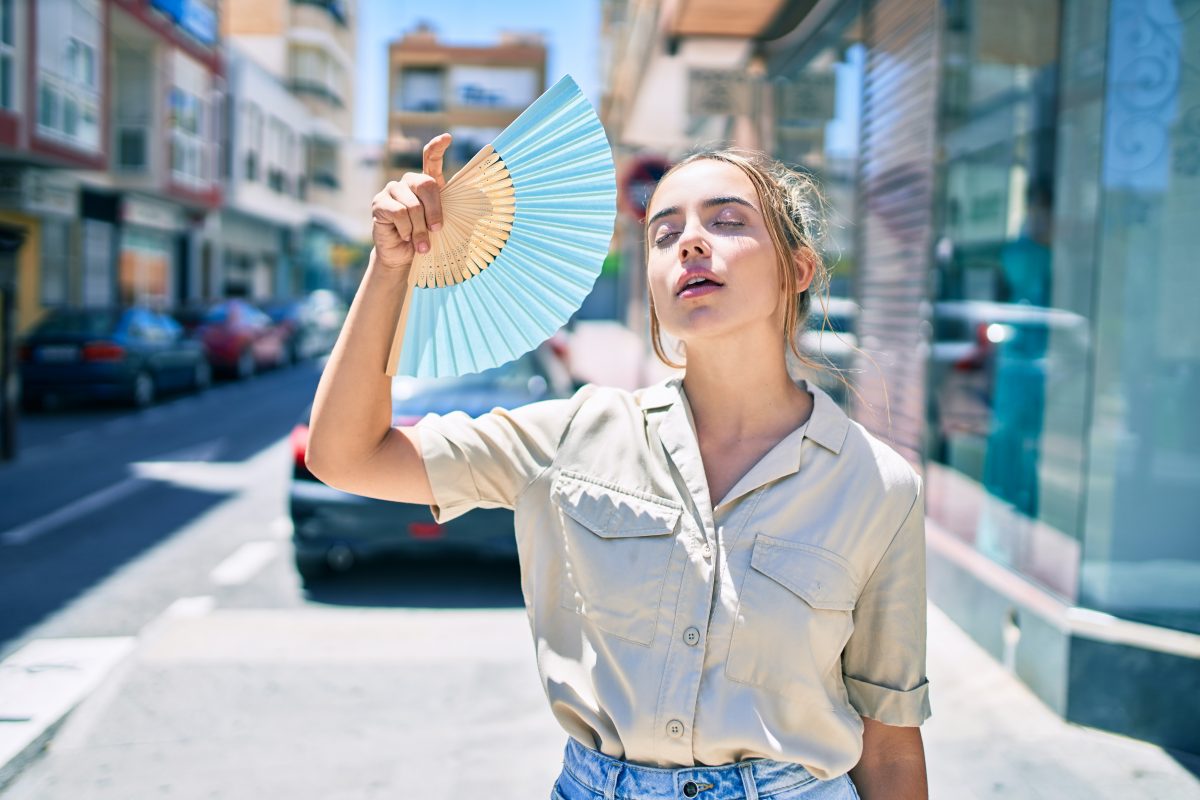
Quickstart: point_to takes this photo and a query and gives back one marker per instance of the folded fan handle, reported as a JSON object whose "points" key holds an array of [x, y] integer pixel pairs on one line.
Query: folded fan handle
{"points": [[393, 362]]}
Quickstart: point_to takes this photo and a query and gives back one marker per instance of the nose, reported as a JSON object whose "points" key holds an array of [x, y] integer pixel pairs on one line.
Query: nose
{"points": [[692, 247]]}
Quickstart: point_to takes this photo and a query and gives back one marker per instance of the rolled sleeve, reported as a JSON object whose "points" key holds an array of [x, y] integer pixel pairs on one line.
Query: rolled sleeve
{"points": [[487, 461], [883, 663]]}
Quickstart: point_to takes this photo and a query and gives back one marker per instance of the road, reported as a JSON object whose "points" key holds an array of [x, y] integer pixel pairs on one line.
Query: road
{"points": [[161, 537]]}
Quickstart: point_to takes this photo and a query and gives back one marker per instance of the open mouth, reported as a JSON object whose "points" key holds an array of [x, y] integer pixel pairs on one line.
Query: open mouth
{"points": [[698, 284]]}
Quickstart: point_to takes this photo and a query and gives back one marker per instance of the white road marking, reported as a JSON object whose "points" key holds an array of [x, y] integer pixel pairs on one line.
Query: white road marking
{"points": [[23, 534], [32, 530], [191, 607], [281, 527], [244, 563]]}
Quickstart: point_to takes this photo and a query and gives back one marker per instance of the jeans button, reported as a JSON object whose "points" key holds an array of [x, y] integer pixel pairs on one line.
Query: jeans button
{"points": [[690, 789]]}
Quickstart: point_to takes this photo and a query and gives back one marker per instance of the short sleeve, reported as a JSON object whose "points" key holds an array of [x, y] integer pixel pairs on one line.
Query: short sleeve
{"points": [[883, 664], [487, 461]]}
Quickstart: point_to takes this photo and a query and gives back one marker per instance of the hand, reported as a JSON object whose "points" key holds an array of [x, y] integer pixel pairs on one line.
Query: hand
{"points": [[408, 209]]}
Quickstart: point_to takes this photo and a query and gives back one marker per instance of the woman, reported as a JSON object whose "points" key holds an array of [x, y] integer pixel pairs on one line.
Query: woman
{"points": [[724, 574]]}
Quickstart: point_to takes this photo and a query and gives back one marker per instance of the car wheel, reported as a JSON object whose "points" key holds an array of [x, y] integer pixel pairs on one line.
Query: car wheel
{"points": [[144, 390], [245, 365], [202, 377]]}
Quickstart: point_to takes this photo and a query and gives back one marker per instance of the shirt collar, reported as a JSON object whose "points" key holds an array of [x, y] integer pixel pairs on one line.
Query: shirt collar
{"points": [[827, 425]]}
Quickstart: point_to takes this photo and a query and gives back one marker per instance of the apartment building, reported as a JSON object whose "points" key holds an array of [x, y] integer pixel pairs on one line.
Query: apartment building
{"points": [[109, 146], [309, 46], [471, 91]]}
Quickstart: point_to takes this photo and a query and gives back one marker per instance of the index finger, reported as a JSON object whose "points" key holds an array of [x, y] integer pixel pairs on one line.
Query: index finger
{"points": [[432, 156]]}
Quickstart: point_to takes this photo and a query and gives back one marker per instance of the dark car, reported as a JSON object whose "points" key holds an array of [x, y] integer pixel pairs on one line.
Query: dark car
{"points": [[130, 354], [334, 529], [241, 340]]}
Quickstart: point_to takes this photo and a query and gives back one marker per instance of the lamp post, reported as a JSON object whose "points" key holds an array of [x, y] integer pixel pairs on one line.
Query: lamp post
{"points": [[10, 243]]}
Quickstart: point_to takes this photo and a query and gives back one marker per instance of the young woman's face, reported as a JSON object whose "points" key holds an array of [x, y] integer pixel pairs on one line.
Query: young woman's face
{"points": [[704, 221]]}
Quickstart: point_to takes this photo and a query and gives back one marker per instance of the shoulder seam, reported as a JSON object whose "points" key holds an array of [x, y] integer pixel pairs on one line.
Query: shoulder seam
{"points": [[581, 396]]}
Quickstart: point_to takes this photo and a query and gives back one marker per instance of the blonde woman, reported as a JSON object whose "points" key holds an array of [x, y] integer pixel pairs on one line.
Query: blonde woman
{"points": [[725, 576]]}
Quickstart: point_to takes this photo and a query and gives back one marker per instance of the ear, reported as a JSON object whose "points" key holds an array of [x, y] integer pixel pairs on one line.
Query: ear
{"points": [[804, 260]]}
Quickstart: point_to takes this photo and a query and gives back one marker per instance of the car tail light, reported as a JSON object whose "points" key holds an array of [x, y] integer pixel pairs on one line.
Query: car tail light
{"points": [[425, 530], [299, 439], [103, 351], [978, 356]]}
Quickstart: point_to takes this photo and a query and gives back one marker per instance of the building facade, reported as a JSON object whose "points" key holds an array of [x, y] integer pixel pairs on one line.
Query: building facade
{"points": [[1009, 185], [472, 92], [309, 46]]}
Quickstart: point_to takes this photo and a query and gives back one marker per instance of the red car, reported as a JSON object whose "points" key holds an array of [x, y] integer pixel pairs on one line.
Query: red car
{"points": [[241, 340]]}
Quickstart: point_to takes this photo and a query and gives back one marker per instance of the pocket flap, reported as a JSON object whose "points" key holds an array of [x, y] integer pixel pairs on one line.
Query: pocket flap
{"points": [[816, 575], [613, 512]]}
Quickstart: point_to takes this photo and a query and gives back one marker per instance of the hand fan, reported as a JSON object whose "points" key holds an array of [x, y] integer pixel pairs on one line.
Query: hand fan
{"points": [[526, 227]]}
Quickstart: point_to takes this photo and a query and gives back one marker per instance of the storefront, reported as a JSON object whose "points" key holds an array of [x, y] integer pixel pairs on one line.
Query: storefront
{"points": [[1013, 186], [151, 255]]}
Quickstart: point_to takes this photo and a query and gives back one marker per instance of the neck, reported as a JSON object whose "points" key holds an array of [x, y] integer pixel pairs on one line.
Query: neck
{"points": [[735, 398]]}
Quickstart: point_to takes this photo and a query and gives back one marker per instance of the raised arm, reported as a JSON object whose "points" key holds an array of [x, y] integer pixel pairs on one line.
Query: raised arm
{"points": [[352, 445]]}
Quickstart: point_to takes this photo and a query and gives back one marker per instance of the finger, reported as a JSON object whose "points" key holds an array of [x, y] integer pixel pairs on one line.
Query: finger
{"points": [[396, 207], [416, 217], [430, 195], [432, 156]]}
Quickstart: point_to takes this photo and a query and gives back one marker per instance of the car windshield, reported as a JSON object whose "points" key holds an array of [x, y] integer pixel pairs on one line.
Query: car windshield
{"points": [[84, 322]]}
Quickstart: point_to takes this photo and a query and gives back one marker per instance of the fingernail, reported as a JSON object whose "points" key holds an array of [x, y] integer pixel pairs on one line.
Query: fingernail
{"points": [[423, 247], [437, 226]]}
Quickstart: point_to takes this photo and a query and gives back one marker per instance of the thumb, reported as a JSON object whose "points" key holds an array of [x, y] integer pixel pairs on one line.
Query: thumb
{"points": [[433, 155]]}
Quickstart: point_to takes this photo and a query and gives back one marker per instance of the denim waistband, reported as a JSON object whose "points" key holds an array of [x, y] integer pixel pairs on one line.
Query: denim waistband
{"points": [[613, 778]]}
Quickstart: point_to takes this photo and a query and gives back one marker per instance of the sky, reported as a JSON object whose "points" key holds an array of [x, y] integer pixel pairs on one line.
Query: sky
{"points": [[571, 29]]}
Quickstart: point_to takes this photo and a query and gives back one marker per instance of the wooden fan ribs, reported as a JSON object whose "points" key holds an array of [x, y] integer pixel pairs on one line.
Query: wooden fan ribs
{"points": [[478, 210]]}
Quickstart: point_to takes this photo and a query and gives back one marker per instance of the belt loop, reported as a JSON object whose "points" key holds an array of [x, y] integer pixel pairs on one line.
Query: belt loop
{"points": [[748, 783], [610, 784]]}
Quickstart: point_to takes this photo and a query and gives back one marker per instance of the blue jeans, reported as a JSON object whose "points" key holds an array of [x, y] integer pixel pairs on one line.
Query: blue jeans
{"points": [[590, 775]]}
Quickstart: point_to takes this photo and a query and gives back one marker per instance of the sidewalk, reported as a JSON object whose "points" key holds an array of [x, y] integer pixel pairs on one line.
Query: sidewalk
{"points": [[327, 703]]}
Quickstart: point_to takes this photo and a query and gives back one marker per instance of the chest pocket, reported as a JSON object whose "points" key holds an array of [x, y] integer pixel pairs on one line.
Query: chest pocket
{"points": [[617, 545], [794, 618]]}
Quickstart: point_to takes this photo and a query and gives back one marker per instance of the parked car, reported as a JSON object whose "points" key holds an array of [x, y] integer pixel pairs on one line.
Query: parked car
{"points": [[333, 529], [311, 324], [977, 344], [241, 340], [130, 354]]}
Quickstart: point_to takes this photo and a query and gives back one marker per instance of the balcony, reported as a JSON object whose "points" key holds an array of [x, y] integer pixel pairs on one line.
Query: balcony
{"points": [[336, 9], [314, 88]]}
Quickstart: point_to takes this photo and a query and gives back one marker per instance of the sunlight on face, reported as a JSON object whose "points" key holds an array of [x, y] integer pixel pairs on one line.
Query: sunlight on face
{"points": [[705, 219]]}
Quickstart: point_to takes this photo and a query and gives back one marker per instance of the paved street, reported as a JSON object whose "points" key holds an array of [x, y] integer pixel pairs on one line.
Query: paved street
{"points": [[398, 680]]}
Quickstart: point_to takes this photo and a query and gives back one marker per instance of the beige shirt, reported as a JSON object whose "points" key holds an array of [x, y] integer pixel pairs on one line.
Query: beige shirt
{"points": [[674, 632]]}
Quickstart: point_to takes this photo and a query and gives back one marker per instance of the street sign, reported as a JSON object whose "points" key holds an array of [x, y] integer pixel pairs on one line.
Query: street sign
{"points": [[722, 92]]}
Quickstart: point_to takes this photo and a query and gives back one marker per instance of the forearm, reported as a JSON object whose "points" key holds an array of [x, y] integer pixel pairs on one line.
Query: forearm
{"points": [[891, 780], [352, 409]]}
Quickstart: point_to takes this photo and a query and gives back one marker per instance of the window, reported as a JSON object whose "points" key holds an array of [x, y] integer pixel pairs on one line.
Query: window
{"points": [[8, 54], [55, 260], [67, 73], [421, 89]]}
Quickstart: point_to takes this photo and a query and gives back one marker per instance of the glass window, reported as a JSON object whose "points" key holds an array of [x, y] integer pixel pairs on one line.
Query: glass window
{"points": [[1009, 345], [1141, 555], [817, 92]]}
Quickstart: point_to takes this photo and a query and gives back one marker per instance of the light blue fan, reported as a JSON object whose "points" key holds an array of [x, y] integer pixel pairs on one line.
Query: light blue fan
{"points": [[526, 228]]}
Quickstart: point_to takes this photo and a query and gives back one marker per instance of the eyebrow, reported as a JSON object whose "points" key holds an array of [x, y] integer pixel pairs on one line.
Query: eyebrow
{"points": [[709, 203]]}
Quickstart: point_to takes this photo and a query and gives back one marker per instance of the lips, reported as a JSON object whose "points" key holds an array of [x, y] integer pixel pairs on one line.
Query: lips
{"points": [[694, 274]]}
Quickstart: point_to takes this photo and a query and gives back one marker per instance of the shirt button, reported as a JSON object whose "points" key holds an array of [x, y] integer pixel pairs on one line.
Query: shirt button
{"points": [[675, 729], [706, 550], [692, 637]]}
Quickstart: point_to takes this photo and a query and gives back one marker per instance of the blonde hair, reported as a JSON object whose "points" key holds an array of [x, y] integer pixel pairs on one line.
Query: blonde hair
{"points": [[794, 212]]}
